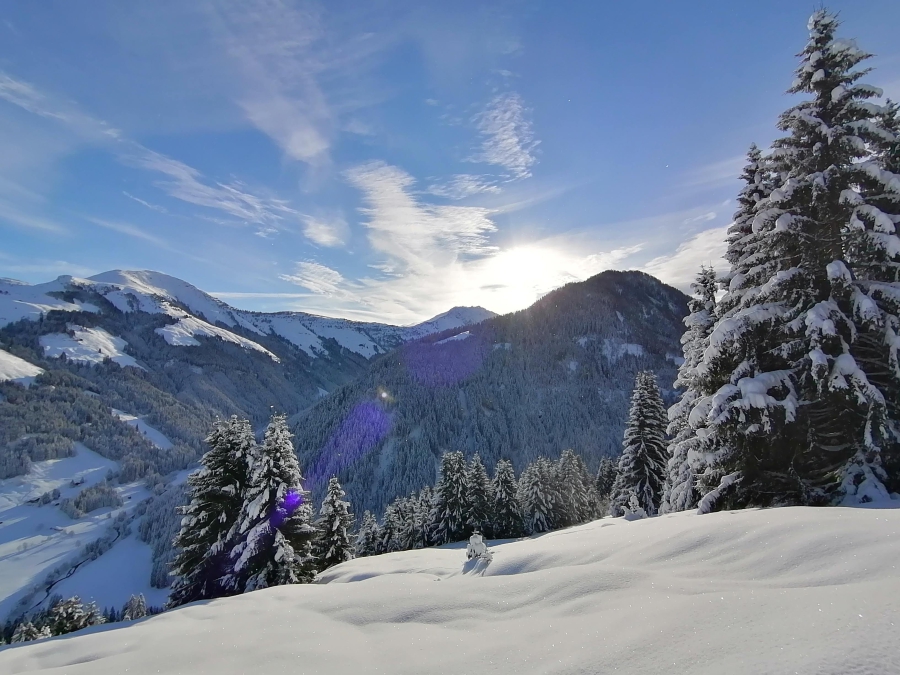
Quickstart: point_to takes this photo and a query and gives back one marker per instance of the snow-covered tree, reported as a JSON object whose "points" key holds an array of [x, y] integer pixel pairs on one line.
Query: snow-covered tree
{"points": [[368, 536], [507, 511], [274, 527], [538, 496], [334, 544], [478, 497], [216, 491], [415, 514], [450, 508], [68, 616], [606, 477], [135, 608], [391, 528], [685, 452], [796, 407], [642, 466], [577, 492], [27, 632]]}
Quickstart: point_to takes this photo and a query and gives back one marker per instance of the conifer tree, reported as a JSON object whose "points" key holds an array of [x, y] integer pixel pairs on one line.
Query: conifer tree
{"points": [[537, 494], [606, 476], [68, 616], [685, 452], [507, 511], [576, 490], [642, 466], [415, 516], [27, 632], [391, 528], [368, 536], [478, 497], [449, 512], [334, 544], [135, 608], [796, 392], [274, 527], [216, 491]]}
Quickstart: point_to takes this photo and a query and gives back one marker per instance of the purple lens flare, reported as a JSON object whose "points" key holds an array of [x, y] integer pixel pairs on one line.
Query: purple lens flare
{"points": [[290, 503]]}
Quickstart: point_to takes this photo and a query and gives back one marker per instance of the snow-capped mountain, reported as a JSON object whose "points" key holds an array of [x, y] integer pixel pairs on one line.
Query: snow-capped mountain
{"points": [[199, 314], [557, 375], [790, 590], [120, 376]]}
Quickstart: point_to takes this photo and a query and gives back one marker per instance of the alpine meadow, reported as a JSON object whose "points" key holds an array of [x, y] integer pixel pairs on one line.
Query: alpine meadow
{"points": [[535, 339]]}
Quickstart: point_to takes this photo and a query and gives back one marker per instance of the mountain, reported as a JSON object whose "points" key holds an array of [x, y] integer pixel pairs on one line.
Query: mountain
{"points": [[110, 384], [791, 590], [557, 375]]}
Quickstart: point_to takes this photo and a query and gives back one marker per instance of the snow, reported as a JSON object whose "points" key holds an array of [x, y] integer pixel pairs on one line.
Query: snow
{"points": [[14, 369], [614, 349], [791, 590], [181, 334], [459, 336], [88, 345], [153, 435], [24, 301]]}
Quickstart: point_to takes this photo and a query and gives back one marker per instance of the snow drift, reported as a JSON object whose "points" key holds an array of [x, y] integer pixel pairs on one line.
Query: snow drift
{"points": [[792, 590]]}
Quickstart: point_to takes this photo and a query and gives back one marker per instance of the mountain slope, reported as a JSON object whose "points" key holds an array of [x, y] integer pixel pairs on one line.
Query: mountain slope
{"points": [[554, 376], [791, 590]]}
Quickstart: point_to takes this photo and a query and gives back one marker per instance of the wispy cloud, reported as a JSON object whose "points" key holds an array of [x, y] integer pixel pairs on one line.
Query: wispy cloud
{"points": [[463, 185], [14, 216], [508, 136], [715, 175], [321, 280], [130, 230], [152, 207], [327, 230], [680, 268]]}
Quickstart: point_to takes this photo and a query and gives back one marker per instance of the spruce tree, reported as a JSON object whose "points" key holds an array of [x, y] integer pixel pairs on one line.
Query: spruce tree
{"points": [[796, 391], [685, 452], [333, 543], [507, 520], [368, 536], [576, 491], [68, 616], [391, 528], [606, 476], [537, 495], [415, 515], [216, 492], [27, 632], [478, 497], [274, 527], [449, 513], [642, 466], [135, 608]]}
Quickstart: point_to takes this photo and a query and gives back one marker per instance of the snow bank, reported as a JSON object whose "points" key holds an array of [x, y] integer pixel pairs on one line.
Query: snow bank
{"points": [[181, 334], [794, 590], [16, 369], [88, 345], [453, 338]]}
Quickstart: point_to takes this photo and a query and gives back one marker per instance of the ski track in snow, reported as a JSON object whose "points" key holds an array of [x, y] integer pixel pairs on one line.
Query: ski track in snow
{"points": [[790, 590]]}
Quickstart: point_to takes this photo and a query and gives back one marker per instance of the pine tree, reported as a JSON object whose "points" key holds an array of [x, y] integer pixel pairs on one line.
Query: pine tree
{"points": [[795, 381], [391, 528], [368, 536], [537, 494], [414, 515], [135, 608], [478, 497], [642, 465], [606, 476], [334, 545], [274, 524], [68, 616], [507, 521], [27, 632], [576, 490], [685, 452], [216, 491], [449, 512]]}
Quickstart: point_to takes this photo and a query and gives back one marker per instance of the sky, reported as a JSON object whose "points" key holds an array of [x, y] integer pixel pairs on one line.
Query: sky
{"points": [[389, 160]]}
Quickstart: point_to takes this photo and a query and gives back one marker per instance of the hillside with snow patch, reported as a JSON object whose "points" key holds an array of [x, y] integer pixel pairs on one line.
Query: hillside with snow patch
{"points": [[793, 590]]}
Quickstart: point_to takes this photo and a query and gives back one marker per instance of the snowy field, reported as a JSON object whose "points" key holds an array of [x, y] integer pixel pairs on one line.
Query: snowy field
{"points": [[87, 345], [17, 370], [794, 590]]}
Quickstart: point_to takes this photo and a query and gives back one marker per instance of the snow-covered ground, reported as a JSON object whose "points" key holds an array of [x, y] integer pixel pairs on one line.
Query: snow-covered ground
{"points": [[88, 345], [35, 540], [153, 434], [17, 370], [793, 590]]}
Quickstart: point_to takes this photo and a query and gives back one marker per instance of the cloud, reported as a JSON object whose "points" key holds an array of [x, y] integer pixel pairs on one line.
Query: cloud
{"points": [[680, 268], [152, 207], [12, 215], [463, 185], [326, 230], [716, 175], [131, 231], [320, 280], [508, 135], [414, 235]]}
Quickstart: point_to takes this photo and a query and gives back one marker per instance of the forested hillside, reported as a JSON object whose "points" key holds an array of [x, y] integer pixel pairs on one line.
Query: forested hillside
{"points": [[557, 375]]}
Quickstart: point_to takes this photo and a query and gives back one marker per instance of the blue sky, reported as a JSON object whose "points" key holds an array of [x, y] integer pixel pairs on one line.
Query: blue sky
{"points": [[388, 160]]}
